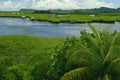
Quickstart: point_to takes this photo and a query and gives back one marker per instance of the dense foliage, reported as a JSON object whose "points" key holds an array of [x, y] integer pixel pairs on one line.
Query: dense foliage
{"points": [[25, 57], [93, 56]]}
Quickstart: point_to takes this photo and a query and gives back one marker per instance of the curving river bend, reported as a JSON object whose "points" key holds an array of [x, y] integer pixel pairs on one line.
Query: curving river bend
{"points": [[10, 26]]}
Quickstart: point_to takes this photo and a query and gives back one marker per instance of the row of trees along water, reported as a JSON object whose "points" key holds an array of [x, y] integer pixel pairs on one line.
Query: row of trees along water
{"points": [[92, 56]]}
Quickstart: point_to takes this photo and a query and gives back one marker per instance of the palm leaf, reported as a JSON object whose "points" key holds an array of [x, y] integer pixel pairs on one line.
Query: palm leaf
{"points": [[106, 77], [84, 57], [114, 69], [113, 54], [78, 74], [115, 41], [95, 31], [106, 29], [95, 45]]}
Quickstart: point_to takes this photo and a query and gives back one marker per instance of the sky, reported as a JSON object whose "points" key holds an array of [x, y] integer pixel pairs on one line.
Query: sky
{"points": [[8, 5]]}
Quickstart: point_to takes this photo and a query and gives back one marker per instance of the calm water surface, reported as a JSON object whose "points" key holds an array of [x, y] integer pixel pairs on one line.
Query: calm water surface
{"points": [[10, 26]]}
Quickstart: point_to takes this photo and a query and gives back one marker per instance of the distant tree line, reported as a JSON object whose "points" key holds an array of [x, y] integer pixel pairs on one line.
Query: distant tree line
{"points": [[75, 11]]}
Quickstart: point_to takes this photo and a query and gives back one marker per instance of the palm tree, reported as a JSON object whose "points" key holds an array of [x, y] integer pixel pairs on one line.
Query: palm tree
{"points": [[98, 57]]}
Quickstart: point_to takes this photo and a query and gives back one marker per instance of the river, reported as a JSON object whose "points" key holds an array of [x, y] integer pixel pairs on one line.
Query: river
{"points": [[9, 26]]}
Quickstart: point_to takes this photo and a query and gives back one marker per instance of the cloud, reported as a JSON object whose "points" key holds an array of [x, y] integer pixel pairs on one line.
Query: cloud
{"points": [[53, 4], [96, 4], [69, 4], [9, 5]]}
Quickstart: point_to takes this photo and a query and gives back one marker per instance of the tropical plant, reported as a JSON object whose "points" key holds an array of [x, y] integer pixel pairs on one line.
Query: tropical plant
{"points": [[59, 66], [95, 56]]}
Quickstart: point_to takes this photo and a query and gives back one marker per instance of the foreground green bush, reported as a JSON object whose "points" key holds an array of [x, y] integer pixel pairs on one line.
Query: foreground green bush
{"points": [[25, 57], [94, 56]]}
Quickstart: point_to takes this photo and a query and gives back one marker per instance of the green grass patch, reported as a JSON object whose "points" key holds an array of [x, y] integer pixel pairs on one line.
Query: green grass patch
{"points": [[25, 57], [71, 18]]}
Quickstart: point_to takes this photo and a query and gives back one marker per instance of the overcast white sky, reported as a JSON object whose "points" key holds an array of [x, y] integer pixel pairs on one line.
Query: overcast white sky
{"points": [[57, 4]]}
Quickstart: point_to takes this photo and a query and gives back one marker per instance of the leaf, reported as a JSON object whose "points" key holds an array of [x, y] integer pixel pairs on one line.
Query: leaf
{"points": [[106, 77], [95, 45], [113, 54], [83, 73], [95, 31], [114, 48], [84, 57]]}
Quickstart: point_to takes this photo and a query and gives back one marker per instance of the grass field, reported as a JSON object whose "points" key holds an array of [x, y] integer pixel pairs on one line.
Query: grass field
{"points": [[22, 56], [71, 18]]}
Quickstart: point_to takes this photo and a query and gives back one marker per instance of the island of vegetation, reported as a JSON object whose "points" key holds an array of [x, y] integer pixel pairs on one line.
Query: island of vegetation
{"points": [[103, 14]]}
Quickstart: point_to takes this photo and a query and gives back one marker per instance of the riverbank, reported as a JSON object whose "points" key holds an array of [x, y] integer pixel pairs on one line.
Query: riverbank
{"points": [[73, 18]]}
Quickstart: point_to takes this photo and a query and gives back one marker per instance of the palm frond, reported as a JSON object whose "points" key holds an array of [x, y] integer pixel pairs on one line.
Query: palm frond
{"points": [[114, 69], [113, 54], [106, 29], [83, 73], [115, 63], [115, 42], [84, 57], [95, 31], [95, 45], [106, 77]]}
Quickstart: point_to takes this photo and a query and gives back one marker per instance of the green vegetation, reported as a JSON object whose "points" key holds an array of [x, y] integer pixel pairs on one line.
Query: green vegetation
{"points": [[92, 56], [66, 16], [25, 57]]}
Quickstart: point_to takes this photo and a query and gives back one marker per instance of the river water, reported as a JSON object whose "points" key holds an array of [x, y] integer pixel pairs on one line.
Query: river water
{"points": [[9, 26]]}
